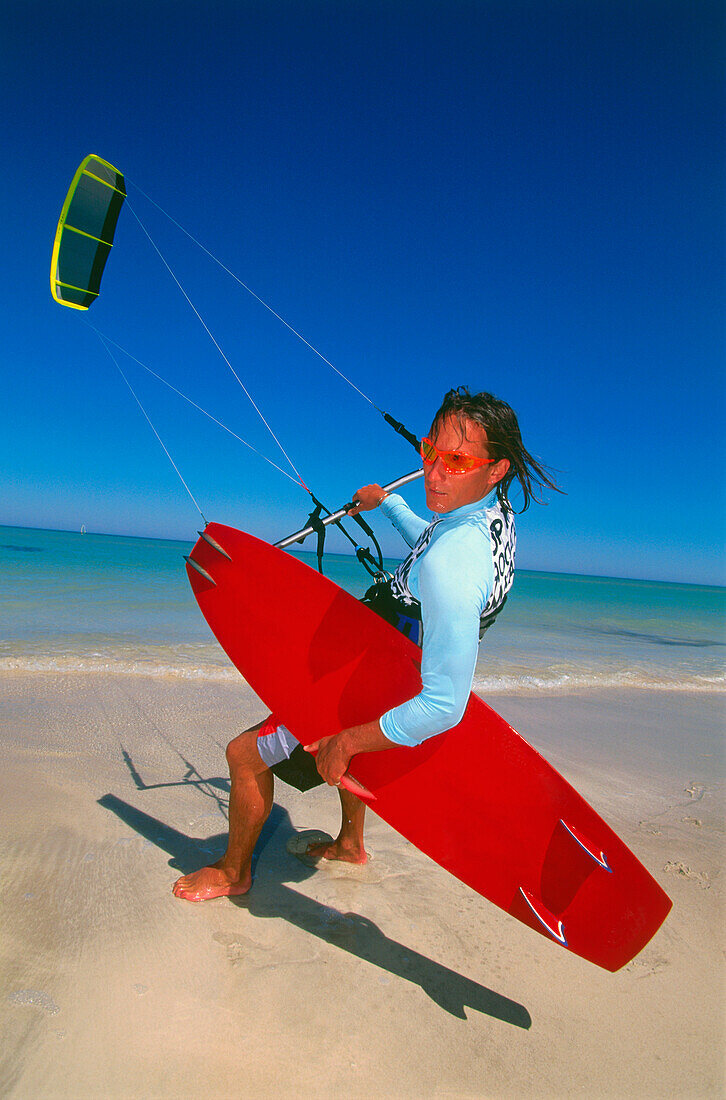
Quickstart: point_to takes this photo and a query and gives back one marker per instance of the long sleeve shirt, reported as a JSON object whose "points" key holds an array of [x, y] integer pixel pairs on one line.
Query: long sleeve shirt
{"points": [[460, 564]]}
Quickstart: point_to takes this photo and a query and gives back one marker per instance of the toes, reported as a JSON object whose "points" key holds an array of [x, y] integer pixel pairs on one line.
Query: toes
{"points": [[184, 888], [187, 895]]}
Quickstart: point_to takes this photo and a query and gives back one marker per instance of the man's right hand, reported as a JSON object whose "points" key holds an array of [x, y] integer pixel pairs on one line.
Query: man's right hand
{"points": [[366, 499]]}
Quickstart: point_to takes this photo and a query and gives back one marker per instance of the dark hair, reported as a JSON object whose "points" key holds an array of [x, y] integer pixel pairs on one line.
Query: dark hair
{"points": [[504, 441]]}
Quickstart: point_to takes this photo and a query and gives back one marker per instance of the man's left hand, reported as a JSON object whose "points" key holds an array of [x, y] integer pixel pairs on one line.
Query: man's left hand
{"points": [[332, 759]]}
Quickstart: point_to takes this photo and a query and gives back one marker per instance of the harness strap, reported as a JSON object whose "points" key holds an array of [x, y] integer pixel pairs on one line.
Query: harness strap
{"points": [[318, 526], [364, 555], [372, 565]]}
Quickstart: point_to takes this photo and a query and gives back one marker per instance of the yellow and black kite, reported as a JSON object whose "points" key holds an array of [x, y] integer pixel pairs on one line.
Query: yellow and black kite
{"points": [[85, 232]]}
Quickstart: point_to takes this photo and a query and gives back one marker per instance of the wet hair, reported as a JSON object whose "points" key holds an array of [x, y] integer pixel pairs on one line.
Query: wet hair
{"points": [[504, 440]]}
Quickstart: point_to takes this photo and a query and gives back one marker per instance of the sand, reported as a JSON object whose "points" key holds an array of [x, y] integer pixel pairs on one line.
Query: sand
{"points": [[392, 980]]}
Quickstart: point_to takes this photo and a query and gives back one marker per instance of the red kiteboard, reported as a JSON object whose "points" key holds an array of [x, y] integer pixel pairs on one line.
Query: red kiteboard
{"points": [[478, 799]]}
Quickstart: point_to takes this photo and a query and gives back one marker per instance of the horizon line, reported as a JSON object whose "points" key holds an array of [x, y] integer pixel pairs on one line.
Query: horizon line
{"points": [[343, 554]]}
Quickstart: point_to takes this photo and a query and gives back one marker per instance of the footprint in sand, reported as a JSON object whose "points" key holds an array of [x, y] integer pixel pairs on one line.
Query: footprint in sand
{"points": [[647, 964], [242, 950], [682, 869], [334, 925], [298, 845], [696, 791], [371, 872], [650, 827]]}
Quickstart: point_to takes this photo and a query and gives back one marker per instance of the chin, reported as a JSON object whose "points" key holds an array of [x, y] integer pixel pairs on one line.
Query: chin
{"points": [[436, 503]]}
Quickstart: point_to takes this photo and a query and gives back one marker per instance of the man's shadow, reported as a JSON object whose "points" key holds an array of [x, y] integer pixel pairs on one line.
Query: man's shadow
{"points": [[271, 898]]}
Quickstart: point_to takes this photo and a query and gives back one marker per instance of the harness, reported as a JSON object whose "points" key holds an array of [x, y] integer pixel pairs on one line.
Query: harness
{"points": [[405, 617], [392, 599]]}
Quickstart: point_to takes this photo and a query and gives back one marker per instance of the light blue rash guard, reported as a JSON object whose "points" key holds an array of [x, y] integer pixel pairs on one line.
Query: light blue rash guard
{"points": [[460, 568]]}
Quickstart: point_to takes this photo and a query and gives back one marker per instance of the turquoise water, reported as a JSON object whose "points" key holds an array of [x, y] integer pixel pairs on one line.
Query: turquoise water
{"points": [[72, 602]]}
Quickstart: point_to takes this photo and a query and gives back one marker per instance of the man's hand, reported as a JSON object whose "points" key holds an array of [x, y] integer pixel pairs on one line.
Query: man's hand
{"points": [[335, 753], [333, 758], [367, 498]]}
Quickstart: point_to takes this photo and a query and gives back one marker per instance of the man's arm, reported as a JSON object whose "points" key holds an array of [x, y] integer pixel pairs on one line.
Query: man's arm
{"points": [[453, 588]]}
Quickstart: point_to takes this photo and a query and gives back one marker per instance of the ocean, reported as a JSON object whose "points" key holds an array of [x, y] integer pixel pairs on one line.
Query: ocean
{"points": [[105, 603]]}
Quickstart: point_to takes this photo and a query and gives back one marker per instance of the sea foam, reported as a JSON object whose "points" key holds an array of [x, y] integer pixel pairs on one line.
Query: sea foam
{"points": [[500, 682]]}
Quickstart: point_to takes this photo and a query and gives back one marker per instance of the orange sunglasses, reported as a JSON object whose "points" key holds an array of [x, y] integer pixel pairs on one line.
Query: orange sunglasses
{"points": [[455, 462]]}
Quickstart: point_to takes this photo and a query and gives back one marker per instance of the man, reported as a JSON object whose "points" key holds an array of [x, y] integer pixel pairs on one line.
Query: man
{"points": [[452, 585]]}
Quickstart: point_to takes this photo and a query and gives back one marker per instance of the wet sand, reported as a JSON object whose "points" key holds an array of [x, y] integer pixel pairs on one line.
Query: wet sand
{"points": [[391, 980]]}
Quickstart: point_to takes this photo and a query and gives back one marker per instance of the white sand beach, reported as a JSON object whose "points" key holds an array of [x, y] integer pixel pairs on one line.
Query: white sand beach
{"points": [[391, 980]]}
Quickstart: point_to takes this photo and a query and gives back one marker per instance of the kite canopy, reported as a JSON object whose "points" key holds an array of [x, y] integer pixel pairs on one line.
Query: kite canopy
{"points": [[85, 232]]}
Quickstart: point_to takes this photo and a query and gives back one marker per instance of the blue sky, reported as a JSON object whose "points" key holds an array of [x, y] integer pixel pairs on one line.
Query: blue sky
{"points": [[521, 196]]}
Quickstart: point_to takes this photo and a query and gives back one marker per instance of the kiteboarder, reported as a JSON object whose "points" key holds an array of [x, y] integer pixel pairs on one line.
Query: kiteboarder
{"points": [[444, 595]]}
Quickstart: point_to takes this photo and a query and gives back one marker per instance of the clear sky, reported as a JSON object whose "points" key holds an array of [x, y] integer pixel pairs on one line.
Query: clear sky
{"points": [[524, 196]]}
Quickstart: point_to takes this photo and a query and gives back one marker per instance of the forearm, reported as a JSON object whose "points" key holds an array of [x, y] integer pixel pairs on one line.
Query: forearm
{"points": [[366, 738], [406, 522], [427, 714]]}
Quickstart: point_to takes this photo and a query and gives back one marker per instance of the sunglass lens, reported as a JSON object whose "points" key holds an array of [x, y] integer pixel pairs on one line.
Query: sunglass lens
{"points": [[457, 463], [428, 451]]}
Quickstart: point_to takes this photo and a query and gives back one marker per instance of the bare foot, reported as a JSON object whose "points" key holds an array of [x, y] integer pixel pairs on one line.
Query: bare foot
{"points": [[345, 852], [210, 882]]}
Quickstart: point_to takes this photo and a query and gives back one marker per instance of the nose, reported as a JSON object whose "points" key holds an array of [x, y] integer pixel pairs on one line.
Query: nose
{"points": [[436, 472]]}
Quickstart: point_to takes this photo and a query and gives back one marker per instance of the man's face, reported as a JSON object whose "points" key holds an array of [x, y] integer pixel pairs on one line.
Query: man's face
{"points": [[446, 491]]}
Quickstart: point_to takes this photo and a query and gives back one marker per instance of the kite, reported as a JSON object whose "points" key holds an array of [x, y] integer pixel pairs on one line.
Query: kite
{"points": [[85, 233]]}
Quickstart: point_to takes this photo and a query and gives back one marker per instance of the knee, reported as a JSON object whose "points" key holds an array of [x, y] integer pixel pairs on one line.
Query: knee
{"points": [[236, 753], [232, 753], [242, 752]]}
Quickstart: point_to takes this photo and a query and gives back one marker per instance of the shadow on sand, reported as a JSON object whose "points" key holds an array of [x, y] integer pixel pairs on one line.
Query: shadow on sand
{"points": [[271, 898]]}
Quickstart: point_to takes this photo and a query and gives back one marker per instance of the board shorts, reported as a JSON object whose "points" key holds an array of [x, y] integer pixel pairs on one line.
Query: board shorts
{"points": [[283, 754]]}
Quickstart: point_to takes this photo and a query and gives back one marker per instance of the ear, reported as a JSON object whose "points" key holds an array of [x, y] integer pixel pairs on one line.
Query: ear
{"points": [[498, 471]]}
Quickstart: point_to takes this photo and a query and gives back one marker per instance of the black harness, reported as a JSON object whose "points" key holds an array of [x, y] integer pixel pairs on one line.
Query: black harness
{"points": [[404, 616]]}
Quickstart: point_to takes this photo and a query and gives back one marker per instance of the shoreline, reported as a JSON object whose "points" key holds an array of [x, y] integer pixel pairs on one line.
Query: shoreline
{"points": [[115, 785], [529, 686]]}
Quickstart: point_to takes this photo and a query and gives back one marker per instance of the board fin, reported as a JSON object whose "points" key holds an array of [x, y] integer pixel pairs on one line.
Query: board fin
{"points": [[195, 565], [549, 921], [593, 850], [214, 544], [348, 783], [356, 788]]}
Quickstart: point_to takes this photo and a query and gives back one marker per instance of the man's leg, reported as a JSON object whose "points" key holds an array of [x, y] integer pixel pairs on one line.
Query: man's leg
{"points": [[250, 802], [348, 845]]}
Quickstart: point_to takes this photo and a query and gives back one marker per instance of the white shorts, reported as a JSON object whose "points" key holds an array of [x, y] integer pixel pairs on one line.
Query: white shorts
{"points": [[275, 742]]}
